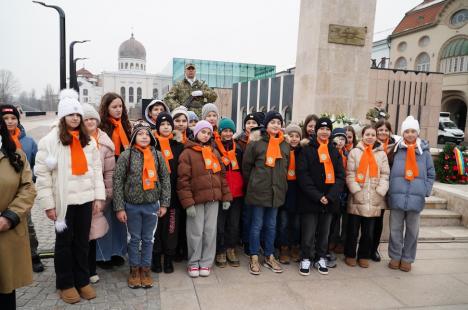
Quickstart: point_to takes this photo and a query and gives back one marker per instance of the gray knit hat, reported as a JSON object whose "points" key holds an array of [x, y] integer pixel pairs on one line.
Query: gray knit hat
{"points": [[90, 112], [207, 108], [294, 128]]}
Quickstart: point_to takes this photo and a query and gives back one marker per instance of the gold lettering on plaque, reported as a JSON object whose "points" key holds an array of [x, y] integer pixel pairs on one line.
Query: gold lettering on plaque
{"points": [[348, 35]]}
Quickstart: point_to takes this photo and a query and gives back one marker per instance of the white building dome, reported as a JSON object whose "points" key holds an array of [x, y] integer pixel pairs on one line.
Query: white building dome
{"points": [[132, 56]]}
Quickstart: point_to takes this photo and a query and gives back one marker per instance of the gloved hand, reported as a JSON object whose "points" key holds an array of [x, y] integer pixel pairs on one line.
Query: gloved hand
{"points": [[197, 93], [226, 205], [191, 211]]}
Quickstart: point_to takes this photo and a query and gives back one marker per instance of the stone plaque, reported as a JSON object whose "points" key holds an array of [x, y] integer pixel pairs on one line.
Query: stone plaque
{"points": [[348, 35]]}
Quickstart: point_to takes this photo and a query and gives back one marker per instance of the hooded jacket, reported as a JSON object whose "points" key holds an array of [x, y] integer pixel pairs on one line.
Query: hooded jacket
{"points": [[29, 146], [148, 108], [266, 186], [403, 194], [368, 198], [311, 179]]}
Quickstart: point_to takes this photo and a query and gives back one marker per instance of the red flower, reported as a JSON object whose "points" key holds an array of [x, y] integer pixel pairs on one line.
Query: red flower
{"points": [[455, 168], [446, 157], [453, 177]]}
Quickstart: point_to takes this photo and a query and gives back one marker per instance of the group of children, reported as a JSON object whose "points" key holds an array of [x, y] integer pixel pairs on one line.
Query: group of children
{"points": [[188, 189]]}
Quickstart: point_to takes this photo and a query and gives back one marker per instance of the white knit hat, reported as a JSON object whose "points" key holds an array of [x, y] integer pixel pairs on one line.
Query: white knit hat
{"points": [[69, 103], [410, 123], [90, 112], [207, 108], [180, 110]]}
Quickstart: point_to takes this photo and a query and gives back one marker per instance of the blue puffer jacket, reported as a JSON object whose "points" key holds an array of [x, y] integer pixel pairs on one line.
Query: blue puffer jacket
{"points": [[403, 194], [29, 147]]}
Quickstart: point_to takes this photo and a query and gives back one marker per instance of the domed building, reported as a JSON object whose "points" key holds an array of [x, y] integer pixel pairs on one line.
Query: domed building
{"points": [[130, 80]]}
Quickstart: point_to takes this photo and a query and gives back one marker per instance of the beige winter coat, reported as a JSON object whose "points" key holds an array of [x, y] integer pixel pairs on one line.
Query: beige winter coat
{"points": [[368, 198], [106, 151]]}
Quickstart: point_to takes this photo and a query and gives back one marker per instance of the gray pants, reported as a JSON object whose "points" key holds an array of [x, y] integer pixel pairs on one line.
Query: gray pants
{"points": [[403, 247], [201, 235]]}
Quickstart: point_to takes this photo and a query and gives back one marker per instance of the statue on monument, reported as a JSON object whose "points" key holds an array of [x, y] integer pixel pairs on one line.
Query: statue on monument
{"points": [[377, 113]]}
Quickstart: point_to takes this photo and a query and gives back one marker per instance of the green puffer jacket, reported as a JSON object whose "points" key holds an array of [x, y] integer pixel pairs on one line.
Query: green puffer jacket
{"points": [[127, 181], [182, 90], [266, 187]]}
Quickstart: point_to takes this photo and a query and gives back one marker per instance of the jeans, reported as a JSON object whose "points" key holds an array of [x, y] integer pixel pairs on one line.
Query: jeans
{"points": [[228, 226], [315, 230], [403, 247], [365, 225], [71, 248], [246, 223], [141, 222], [263, 220]]}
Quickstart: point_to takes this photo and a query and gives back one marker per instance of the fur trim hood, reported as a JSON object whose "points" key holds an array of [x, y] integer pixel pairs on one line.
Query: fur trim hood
{"points": [[150, 105]]}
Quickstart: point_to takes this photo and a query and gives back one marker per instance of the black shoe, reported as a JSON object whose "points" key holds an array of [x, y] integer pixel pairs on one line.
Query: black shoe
{"points": [[105, 265], [117, 261], [37, 265], [376, 256], [156, 263], [168, 266]]}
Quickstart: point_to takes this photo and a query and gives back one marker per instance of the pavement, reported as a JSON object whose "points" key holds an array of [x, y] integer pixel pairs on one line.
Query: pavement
{"points": [[439, 280]]}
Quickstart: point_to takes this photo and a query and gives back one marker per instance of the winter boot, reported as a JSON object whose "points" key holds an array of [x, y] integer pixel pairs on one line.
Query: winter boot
{"points": [[284, 255], [232, 258], [168, 266]]}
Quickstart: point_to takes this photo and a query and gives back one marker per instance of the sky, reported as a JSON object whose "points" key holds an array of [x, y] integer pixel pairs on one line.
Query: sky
{"points": [[251, 31]]}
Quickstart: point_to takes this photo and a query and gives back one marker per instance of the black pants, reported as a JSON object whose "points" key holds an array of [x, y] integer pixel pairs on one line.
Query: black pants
{"points": [[72, 247], [378, 227], [315, 229], [167, 233], [227, 235], [181, 249], [8, 301], [366, 226], [92, 258], [338, 228]]}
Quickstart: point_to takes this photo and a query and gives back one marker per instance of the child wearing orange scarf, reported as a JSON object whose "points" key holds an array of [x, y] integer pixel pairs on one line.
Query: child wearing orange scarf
{"points": [[367, 179], [320, 177], [411, 180], [169, 228], [142, 193]]}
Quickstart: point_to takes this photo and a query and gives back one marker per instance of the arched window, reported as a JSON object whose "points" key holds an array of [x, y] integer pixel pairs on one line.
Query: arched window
{"points": [[155, 93], [422, 62], [131, 66], [121, 65], [138, 94], [126, 65], [122, 92], [130, 94], [459, 18], [401, 63]]}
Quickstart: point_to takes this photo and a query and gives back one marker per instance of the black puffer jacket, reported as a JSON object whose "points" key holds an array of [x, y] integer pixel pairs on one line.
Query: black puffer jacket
{"points": [[311, 179]]}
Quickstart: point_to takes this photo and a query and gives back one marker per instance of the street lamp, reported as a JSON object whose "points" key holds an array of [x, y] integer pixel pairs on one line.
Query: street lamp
{"points": [[63, 73], [73, 81], [77, 87]]}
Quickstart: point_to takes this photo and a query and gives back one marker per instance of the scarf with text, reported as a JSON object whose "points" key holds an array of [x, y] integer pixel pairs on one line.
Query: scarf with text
{"points": [[325, 159], [411, 166], [367, 162], [164, 143], [209, 157], [274, 151], [149, 175]]}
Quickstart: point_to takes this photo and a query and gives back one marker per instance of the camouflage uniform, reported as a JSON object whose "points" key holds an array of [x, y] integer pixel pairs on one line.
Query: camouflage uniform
{"points": [[182, 91], [375, 114]]}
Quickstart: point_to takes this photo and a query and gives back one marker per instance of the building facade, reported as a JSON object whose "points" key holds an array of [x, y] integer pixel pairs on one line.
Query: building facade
{"points": [[433, 36]]}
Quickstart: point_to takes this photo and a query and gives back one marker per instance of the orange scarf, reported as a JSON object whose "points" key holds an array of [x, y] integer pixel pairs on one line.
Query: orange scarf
{"points": [[184, 137], [292, 166], [210, 159], [274, 151], [164, 143], [95, 135], [349, 147], [343, 157], [367, 162], [16, 139], [411, 166], [79, 164], [228, 157], [119, 136], [325, 159], [149, 175]]}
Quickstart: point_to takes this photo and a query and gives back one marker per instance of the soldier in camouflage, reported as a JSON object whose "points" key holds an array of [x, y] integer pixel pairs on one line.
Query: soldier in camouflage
{"points": [[190, 92], [377, 113]]}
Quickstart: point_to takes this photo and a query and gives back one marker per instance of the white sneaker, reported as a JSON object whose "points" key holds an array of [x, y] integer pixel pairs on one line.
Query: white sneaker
{"points": [[304, 267], [193, 272], [204, 271], [94, 279], [321, 266]]}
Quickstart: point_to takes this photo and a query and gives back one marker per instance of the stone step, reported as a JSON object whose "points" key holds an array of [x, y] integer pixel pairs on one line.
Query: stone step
{"points": [[434, 202], [443, 234], [440, 217]]}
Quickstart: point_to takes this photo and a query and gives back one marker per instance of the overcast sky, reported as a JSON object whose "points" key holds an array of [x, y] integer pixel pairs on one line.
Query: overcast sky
{"points": [[252, 31]]}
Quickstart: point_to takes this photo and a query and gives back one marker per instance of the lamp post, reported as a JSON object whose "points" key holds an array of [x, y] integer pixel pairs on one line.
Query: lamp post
{"points": [[76, 86], [63, 70], [73, 82]]}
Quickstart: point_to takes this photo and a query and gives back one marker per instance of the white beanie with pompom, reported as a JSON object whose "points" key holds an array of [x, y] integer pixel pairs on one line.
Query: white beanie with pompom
{"points": [[410, 123], [69, 103]]}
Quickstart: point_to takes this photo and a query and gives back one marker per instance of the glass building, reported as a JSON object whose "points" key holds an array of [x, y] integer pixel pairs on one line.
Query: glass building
{"points": [[222, 74]]}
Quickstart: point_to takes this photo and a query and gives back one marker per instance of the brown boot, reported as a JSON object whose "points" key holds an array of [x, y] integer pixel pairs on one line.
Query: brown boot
{"points": [[146, 278], [295, 253], [284, 255], [87, 292], [363, 263], [339, 249], [254, 265], [394, 264], [70, 295], [350, 261], [134, 280], [220, 260], [405, 266], [232, 258]]}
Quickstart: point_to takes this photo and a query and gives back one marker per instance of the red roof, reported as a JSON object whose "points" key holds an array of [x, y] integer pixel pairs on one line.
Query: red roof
{"points": [[424, 14], [85, 73]]}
